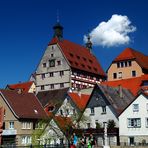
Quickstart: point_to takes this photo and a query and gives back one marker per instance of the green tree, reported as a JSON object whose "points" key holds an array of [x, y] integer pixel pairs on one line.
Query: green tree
{"points": [[111, 124]]}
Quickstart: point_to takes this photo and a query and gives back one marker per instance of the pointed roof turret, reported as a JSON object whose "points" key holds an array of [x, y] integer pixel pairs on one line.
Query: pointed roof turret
{"points": [[58, 30], [88, 43]]}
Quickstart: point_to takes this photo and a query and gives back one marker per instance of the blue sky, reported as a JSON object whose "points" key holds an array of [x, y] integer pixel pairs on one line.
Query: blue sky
{"points": [[26, 29]]}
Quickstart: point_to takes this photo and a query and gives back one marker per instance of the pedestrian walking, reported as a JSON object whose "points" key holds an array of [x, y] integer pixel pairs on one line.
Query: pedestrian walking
{"points": [[83, 141], [75, 139], [92, 141]]}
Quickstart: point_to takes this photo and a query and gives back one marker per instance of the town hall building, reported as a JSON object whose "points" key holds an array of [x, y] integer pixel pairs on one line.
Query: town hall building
{"points": [[66, 64]]}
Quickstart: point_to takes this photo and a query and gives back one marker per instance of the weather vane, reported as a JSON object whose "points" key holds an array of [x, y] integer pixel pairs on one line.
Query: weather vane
{"points": [[58, 19]]}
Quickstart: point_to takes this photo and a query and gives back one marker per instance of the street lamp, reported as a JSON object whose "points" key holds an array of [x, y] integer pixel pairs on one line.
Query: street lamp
{"points": [[105, 136]]}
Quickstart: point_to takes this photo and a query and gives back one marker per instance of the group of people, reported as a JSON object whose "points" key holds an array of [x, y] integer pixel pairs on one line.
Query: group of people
{"points": [[83, 141]]}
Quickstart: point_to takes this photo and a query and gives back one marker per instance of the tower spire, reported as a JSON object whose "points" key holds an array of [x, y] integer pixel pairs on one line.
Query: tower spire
{"points": [[58, 29], [58, 18], [89, 43]]}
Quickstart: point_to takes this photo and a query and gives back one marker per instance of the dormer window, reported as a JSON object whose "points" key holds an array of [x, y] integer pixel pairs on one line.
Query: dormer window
{"points": [[76, 63], [89, 67], [78, 57], [90, 61], [84, 59], [95, 69], [83, 65], [71, 54]]}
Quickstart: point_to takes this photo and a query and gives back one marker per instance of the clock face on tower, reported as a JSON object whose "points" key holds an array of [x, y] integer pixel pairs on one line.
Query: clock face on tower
{"points": [[52, 63]]}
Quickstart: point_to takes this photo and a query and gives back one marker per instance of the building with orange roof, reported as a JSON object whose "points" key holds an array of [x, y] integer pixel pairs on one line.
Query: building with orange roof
{"points": [[67, 64], [73, 106], [128, 64], [26, 87], [135, 85]]}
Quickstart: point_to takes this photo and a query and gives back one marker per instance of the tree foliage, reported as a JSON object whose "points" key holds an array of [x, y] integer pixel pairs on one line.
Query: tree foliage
{"points": [[111, 124]]}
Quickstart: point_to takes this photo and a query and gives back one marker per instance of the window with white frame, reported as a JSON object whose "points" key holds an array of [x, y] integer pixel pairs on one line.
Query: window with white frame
{"points": [[44, 65], [120, 75], [61, 73], [51, 74], [26, 125], [135, 107], [42, 87], [103, 109], [43, 76], [134, 122], [26, 140], [61, 85], [11, 125], [92, 111], [133, 73]]}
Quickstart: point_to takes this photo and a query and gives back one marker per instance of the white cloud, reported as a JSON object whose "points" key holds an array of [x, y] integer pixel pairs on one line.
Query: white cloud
{"points": [[114, 32]]}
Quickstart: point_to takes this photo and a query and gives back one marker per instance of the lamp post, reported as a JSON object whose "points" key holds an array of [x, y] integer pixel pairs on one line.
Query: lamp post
{"points": [[105, 136]]}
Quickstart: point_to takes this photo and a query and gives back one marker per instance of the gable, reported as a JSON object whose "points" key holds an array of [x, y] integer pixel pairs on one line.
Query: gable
{"points": [[54, 53], [23, 105], [141, 100], [97, 99], [67, 108], [9, 113], [130, 54]]}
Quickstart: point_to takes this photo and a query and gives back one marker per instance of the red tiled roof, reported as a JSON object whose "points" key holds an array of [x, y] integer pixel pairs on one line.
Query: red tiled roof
{"points": [[24, 86], [79, 57], [64, 123], [133, 84], [80, 100], [24, 105], [49, 113], [129, 54]]}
